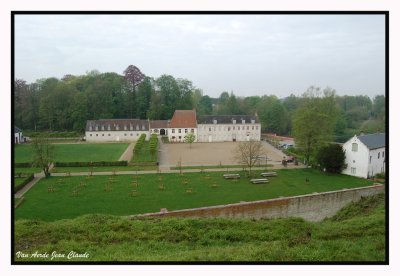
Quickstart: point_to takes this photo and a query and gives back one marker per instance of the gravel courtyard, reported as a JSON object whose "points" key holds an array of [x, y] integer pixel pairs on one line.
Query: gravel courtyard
{"points": [[208, 154]]}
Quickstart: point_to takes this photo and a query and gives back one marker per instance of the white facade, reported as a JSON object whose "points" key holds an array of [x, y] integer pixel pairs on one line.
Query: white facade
{"points": [[115, 136], [228, 132], [18, 137], [361, 160], [178, 134]]}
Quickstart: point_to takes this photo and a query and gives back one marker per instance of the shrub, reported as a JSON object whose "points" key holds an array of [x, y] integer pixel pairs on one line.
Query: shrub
{"points": [[23, 165], [22, 184], [380, 175], [331, 158], [91, 164]]}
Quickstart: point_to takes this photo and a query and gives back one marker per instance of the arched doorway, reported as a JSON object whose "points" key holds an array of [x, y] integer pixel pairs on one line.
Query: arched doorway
{"points": [[162, 131]]}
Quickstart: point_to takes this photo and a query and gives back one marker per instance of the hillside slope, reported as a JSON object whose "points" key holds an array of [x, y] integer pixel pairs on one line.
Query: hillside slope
{"points": [[356, 233]]}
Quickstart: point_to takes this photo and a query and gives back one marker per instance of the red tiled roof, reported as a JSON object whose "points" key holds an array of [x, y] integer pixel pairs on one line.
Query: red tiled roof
{"points": [[183, 118]]}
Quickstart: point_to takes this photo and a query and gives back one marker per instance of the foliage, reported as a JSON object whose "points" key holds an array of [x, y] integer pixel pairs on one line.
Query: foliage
{"points": [[43, 154], [315, 121], [190, 138], [93, 199], [331, 158], [359, 237], [91, 164]]}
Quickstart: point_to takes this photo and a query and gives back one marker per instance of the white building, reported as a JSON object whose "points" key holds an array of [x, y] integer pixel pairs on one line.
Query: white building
{"points": [[18, 137], [220, 128], [365, 155], [116, 130], [159, 127], [182, 123]]}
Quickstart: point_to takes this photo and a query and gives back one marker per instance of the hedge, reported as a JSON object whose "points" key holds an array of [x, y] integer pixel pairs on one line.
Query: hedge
{"points": [[91, 164], [22, 184], [23, 165]]}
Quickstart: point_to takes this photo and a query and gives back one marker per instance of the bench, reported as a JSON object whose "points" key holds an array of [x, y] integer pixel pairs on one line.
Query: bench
{"points": [[265, 174], [259, 181], [232, 176]]}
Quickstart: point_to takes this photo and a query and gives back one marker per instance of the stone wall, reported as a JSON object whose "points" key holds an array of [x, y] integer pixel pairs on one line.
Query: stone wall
{"points": [[312, 207]]}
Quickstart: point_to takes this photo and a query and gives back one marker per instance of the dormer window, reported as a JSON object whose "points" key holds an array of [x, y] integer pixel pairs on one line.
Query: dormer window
{"points": [[243, 121], [137, 127], [117, 127], [131, 127], [253, 121], [97, 128], [109, 128], [90, 128], [234, 121], [125, 128], [143, 127], [102, 127], [214, 121]]}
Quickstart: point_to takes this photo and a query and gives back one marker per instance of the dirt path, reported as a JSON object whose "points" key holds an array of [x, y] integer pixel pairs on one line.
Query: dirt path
{"points": [[127, 155], [163, 156]]}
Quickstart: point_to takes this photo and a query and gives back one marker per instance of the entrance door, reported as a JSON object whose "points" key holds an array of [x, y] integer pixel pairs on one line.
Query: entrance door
{"points": [[162, 131], [209, 138]]}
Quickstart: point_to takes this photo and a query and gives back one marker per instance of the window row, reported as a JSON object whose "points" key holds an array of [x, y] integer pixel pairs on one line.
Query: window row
{"points": [[125, 134], [225, 128], [180, 130], [108, 128]]}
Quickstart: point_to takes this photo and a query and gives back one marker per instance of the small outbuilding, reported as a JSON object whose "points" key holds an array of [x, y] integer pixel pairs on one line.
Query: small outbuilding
{"points": [[365, 155], [18, 136]]}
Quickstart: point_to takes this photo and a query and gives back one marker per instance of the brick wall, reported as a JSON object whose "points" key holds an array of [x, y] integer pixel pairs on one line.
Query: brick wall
{"points": [[312, 207]]}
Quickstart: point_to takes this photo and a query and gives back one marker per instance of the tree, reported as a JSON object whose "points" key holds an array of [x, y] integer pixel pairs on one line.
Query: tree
{"points": [[43, 154], [315, 121], [247, 153], [204, 106], [133, 75], [331, 158], [189, 138]]}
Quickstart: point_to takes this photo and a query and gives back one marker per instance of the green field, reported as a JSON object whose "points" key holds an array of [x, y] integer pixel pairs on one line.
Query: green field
{"points": [[40, 204], [356, 233], [103, 169], [27, 170], [76, 152]]}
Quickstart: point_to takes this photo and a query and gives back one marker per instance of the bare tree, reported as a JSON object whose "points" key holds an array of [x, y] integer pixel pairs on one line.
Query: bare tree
{"points": [[247, 153], [43, 154]]}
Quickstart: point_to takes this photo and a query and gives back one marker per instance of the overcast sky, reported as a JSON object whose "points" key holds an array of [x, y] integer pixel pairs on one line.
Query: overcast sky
{"points": [[246, 54]]}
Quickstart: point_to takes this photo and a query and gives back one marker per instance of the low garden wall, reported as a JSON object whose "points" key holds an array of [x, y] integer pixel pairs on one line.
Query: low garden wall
{"points": [[311, 207]]}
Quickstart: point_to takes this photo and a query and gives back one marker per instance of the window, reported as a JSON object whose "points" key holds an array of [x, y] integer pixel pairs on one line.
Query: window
{"points": [[109, 134], [173, 137], [117, 127], [97, 128], [353, 170], [243, 121], [354, 147], [102, 127], [233, 128], [234, 121], [97, 135], [248, 127], [379, 155], [253, 121], [214, 122], [102, 134], [173, 130], [143, 127], [131, 127], [192, 130], [125, 134], [180, 137], [185, 130], [209, 129], [137, 127], [90, 128], [90, 134], [256, 127], [109, 128], [229, 129], [179, 130], [131, 134], [252, 128], [125, 127], [383, 154]]}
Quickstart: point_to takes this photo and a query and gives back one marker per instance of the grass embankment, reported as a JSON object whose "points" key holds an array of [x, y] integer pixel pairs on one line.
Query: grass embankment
{"points": [[75, 152], [356, 233], [92, 198]]}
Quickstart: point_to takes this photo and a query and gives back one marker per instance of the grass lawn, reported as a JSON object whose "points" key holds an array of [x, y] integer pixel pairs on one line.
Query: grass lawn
{"points": [[27, 170], [76, 152], [18, 181], [104, 169], [40, 204], [144, 155], [356, 233]]}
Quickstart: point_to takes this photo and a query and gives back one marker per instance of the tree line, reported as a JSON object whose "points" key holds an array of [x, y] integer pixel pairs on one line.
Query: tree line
{"points": [[65, 104]]}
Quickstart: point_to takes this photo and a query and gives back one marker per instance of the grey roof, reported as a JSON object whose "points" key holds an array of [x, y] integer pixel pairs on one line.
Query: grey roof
{"points": [[117, 125], [373, 141], [17, 129], [226, 119]]}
